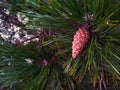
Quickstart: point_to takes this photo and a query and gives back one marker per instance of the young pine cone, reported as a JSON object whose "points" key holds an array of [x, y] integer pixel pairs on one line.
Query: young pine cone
{"points": [[79, 42]]}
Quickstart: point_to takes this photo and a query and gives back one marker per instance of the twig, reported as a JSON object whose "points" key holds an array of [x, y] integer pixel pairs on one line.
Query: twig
{"points": [[42, 63]]}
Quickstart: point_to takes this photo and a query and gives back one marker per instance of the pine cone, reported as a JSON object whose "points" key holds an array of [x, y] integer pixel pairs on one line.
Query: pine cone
{"points": [[80, 39]]}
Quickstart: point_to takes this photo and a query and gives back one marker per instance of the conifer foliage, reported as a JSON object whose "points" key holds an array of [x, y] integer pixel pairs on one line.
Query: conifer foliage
{"points": [[53, 62]]}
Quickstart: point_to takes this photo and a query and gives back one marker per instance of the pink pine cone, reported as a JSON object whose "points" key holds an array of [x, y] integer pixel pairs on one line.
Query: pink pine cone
{"points": [[80, 40]]}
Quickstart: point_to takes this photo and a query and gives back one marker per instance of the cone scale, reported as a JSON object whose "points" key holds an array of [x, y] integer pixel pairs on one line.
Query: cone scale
{"points": [[79, 41]]}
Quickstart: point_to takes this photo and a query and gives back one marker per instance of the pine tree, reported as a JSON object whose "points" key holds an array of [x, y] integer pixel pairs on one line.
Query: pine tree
{"points": [[47, 64]]}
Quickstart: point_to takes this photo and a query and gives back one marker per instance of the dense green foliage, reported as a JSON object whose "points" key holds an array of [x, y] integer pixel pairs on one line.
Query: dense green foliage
{"points": [[98, 66]]}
